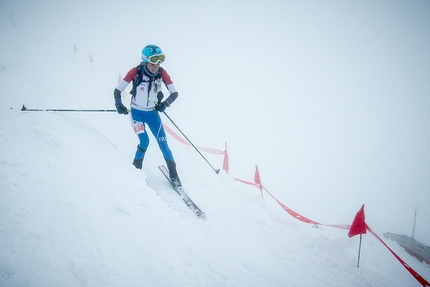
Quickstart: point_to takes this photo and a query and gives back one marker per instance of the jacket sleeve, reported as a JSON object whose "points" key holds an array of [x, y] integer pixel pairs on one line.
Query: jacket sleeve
{"points": [[123, 84], [170, 87]]}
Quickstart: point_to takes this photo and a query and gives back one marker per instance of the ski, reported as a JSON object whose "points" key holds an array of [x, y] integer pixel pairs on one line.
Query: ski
{"points": [[179, 189]]}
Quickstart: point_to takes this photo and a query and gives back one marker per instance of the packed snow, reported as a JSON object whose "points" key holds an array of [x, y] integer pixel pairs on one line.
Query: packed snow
{"points": [[75, 212]]}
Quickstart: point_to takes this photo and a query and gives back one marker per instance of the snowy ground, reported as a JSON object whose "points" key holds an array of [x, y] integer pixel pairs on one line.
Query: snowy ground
{"points": [[75, 212]]}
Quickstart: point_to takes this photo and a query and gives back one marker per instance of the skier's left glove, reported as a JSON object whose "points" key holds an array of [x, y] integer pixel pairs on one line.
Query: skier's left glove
{"points": [[161, 107]]}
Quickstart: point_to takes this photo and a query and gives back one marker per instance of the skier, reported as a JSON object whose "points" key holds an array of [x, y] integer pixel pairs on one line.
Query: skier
{"points": [[146, 103]]}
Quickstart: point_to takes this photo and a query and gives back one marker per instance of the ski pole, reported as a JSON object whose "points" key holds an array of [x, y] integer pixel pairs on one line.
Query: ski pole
{"points": [[25, 109], [216, 170]]}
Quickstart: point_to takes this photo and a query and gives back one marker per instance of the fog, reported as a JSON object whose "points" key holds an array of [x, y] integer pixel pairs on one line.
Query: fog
{"points": [[330, 99]]}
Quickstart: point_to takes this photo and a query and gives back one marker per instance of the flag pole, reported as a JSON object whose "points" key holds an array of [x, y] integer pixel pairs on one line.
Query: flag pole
{"points": [[358, 227], [359, 251]]}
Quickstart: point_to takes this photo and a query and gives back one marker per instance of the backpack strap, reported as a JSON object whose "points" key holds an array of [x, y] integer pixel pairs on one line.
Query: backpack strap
{"points": [[139, 75], [137, 80]]}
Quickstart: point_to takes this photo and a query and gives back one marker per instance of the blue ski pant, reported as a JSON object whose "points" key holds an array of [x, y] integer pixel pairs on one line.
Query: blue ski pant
{"points": [[140, 120]]}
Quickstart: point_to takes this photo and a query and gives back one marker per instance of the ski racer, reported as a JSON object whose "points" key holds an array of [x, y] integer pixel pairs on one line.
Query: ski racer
{"points": [[146, 104]]}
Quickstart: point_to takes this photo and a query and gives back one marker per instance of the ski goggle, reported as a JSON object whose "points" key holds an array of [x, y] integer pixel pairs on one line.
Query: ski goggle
{"points": [[156, 59]]}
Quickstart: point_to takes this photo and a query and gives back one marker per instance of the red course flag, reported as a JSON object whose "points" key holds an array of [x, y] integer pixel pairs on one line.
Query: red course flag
{"points": [[74, 48], [91, 58], [358, 226], [257, 178], [225, 164]]}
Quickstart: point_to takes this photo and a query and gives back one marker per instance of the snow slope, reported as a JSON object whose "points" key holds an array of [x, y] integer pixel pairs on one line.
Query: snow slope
{"points": [[75, 212]]}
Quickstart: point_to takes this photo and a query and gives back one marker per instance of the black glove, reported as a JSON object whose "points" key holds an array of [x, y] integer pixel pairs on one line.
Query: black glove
{"points": [[121, 109], [160, 96], [161, 107]]}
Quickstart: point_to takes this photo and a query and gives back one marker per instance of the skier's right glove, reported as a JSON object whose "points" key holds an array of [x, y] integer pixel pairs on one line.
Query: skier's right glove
{"points": [[161, 107], [121, 109]]}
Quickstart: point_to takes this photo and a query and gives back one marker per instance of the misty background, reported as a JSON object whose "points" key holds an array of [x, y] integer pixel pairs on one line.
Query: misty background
{"points": [[331, 99]]}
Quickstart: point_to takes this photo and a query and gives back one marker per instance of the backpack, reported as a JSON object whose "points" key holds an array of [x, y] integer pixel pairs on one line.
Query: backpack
{"points": [[139, 78]]}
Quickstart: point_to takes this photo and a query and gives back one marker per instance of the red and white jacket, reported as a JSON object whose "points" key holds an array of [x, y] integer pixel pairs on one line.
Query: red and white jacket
{"points": [[146, 92]]}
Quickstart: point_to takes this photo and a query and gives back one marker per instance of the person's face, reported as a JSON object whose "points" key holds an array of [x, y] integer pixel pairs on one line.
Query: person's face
{"points": [[153, 68]]}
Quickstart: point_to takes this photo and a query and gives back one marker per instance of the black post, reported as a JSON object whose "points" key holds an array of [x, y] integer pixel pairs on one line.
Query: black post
{"points": [[25, 109]]}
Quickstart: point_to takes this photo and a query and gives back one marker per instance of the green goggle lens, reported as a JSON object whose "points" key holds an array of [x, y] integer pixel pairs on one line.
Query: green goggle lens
{"points": [[157, 59]]}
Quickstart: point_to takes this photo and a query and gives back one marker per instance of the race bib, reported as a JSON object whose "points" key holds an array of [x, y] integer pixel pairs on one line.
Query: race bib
{"points": [[139, 128]]}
